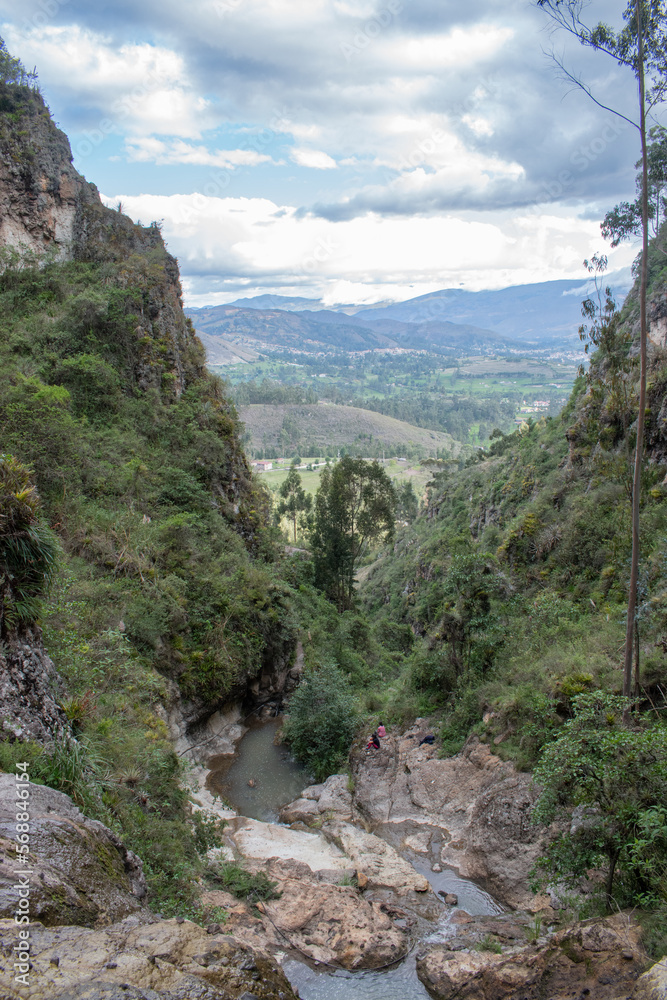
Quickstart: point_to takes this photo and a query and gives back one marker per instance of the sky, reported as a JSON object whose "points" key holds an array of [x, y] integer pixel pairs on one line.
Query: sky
{"points": [[353, 151]]}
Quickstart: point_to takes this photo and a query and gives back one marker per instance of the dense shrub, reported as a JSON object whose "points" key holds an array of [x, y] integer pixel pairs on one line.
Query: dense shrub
{"points": [[322, 721]]}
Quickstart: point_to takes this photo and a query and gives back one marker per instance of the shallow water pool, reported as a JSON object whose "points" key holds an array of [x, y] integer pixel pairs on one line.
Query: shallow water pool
{"points": [[276, 777]]}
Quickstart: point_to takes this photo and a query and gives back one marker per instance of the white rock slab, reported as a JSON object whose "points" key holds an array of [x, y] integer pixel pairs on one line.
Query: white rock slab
{"points": [[261, 841]]}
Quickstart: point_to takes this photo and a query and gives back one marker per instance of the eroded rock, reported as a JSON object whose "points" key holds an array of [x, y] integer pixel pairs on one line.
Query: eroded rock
{"points": [[81, 872], [478, 806], [163, 960], [327, 923], [28, 680], [586, 960]]}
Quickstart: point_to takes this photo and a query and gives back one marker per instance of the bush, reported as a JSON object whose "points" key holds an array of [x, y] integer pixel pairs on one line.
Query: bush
{"points": [[244, 884], [322, 721]]}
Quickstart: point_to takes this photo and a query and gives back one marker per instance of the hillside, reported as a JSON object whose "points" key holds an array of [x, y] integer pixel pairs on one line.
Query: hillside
{"points": [[514, 578], [164, 601], [314, 428], [328, 332], [545, 313]]}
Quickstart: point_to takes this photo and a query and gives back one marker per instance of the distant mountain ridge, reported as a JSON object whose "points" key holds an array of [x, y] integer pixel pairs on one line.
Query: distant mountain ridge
{"points": [[540, 315], [327, 331]]}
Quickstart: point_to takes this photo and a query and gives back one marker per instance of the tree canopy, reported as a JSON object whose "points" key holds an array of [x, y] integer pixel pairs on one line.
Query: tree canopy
{"points": [[295, 503], [354, 506], [618, 778]]}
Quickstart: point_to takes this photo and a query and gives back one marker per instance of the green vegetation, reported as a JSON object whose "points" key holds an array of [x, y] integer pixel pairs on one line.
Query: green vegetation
{"points": [[354, 506], [28, 548], [465, 398], [617, 777], [235, 878], [295, 503], [322, 721], [498, 608]]}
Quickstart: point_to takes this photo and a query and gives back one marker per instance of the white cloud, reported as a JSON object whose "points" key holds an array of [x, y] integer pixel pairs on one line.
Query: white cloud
{"points": [[176, 151], [460, 46], [314, 158], [142, 88], [228, 244]]}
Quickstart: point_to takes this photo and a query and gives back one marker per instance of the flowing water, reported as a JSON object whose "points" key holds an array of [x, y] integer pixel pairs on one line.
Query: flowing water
{"points": [[276, 780]]}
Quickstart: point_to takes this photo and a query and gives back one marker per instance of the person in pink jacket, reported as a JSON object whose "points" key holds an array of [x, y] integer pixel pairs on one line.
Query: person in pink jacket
{"points": [[381, 730]]}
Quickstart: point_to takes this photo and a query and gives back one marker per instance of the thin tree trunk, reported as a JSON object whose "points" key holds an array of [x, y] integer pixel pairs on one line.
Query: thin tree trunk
{"points": [[613, 859], [639, 450], [636, 658]]}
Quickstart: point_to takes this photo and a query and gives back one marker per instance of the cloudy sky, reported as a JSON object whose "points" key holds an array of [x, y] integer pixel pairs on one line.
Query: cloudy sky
{"points": [[354, 150]]}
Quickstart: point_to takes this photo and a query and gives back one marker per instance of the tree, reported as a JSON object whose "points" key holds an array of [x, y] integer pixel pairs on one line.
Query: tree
{"points": [[28, 548], [407, 502], [354, 506], [641, 46], [618, 779], [625, 220], [295, 501], [12, 71], [322, 720]]}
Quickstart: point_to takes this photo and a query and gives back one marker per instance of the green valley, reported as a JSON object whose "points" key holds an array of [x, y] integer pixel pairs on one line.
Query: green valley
{"points": [[438, 555]]}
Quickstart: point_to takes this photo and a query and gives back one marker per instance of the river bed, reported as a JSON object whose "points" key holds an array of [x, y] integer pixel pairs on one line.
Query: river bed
{"points": [[262, 777]]}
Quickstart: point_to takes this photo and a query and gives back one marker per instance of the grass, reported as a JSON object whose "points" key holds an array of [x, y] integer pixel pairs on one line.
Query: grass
{"points": [[236, 879], [329, 426]]}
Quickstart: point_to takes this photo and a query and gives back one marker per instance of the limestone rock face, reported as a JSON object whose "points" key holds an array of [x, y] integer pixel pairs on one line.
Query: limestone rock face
{"points": [[599, 959], [137, 958], [81, 871], [477, 805], [28, 679]]}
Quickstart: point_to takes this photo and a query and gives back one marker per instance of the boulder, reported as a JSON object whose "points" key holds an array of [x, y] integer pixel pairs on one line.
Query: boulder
{"points": [[383, 866], [141, 958], [598, 959], [477, 806], [653, 984], [326, 923], [80, 871], [329, 800]]}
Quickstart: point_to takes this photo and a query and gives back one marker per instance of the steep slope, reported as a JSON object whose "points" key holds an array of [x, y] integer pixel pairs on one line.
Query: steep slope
{"points": [[514, 579], [165, 603]]}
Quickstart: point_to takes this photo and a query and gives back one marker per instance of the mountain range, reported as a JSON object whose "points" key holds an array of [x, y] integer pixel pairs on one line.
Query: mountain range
{"points": [[540, 316]]}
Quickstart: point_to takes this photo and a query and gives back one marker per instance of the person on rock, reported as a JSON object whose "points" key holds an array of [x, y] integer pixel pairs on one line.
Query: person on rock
{"points": [[374, 742], [429, 738], [382, 732]]}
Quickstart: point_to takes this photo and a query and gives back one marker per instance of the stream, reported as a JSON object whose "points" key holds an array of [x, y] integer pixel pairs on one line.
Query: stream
{"points": [[278, 779]]}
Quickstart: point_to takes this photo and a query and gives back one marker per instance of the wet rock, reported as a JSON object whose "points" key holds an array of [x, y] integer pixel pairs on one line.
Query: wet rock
{"points": [[302, 810], [143, 960], [81, 872], [581, 961]]}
